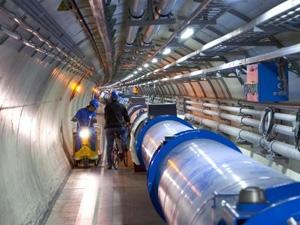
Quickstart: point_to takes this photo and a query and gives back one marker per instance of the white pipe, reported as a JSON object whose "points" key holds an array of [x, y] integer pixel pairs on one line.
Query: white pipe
{"points": [[165, 7], [137, 8], [277, 128], [253, 112], [278, 147]]}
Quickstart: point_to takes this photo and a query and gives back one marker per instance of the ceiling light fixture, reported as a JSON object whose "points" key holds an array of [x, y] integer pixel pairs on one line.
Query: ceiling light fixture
{"points": [[140, 68], [135, 72], [154, 60], [166, 51], [146, 65], [188, 32]]}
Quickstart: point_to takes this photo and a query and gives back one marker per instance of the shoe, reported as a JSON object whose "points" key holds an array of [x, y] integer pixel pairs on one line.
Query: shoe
{"points": [[109, 167]]}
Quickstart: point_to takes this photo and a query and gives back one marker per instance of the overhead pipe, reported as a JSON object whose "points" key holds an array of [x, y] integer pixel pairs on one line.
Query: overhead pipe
{"points": [[137, 9], [277, 128], [163, 10], [275, 146], [203, 6], [98, 9]]}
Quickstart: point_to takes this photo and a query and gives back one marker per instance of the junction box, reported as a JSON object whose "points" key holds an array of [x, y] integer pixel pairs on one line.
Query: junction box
{"points": [[267, 82]]}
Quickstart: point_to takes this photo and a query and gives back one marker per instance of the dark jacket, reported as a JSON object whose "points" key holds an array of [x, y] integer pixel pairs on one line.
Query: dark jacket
{"points": [[115, 115]]}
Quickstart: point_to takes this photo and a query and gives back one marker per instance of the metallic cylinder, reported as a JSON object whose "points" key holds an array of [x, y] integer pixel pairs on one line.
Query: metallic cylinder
{"points": [[165, 7], [197, 169], [157, 134], [137, 10], [132, 32], [136, 125]]}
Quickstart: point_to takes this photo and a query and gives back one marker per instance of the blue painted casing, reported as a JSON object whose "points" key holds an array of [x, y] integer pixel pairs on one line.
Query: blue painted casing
{"points": [[268, 82], [282, 202]]}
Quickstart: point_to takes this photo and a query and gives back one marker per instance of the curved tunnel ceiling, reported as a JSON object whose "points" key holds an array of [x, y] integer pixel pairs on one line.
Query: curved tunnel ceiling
{"points": [[98, 32]]}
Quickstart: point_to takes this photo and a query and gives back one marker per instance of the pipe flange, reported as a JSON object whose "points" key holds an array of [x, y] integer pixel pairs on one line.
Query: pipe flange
{"points": [[243, 117], [239, 135], [136, 18], [241, 109], [156, 9]]}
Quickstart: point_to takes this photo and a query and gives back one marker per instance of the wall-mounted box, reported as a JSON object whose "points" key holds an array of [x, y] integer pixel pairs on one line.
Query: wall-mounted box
{"points": [[267, 82], [161, 109]]}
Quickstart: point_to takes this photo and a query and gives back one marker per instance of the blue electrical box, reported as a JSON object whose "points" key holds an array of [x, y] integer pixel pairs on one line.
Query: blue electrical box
{"points": [[267, 82]]}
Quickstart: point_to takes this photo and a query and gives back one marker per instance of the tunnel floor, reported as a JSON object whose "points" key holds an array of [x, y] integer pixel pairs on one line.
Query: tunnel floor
{"points": [[108, 197]]}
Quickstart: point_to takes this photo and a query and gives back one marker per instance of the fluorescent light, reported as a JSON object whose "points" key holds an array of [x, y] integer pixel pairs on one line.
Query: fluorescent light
{"points": [[166, 66], [166, 51], [135, 72], [140, 68], [177, 77], [182, 59], [195, 73], [154, 60], [187, 33], [146, 65]]}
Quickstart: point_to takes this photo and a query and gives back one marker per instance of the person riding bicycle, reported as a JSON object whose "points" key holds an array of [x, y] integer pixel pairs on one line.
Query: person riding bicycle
{"points": [[86, 117], [116, 119]]}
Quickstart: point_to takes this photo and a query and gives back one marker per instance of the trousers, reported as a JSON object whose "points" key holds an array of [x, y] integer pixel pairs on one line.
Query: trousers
{"points": [[110, 136]]}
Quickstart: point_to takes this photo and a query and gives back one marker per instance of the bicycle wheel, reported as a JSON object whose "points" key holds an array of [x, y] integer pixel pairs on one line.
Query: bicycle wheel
{"points": [[125, 159], [115, 159]]}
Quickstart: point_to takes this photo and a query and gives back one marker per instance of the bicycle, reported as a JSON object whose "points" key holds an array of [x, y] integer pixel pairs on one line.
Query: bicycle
{"points": [[119, 153]]}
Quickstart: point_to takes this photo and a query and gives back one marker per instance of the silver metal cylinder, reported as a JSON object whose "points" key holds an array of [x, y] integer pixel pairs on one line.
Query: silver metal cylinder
{"points": [[197, 169], [137, 9], [155, 136], [165, 7]]}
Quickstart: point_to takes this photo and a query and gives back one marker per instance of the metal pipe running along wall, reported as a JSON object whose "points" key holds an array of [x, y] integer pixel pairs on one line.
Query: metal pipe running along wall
{"points": [[200, 177]]}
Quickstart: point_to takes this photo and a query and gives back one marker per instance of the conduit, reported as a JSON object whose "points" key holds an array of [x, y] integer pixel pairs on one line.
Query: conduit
{"points": [[252, 112], [137, 9], [163, 10], [277, 128], [275, 146]]}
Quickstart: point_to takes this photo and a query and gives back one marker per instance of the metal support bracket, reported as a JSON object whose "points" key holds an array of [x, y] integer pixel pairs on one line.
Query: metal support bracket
{"points": [[146, 22], [296, 129]]}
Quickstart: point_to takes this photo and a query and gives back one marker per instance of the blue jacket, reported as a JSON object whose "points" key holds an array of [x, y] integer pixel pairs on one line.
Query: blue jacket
{"points": [[84, 117]]}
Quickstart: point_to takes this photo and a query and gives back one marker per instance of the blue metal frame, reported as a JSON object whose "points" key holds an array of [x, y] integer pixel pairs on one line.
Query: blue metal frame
{"points": [[281, 203], [277, 213], [154, 170], [148, 125]]}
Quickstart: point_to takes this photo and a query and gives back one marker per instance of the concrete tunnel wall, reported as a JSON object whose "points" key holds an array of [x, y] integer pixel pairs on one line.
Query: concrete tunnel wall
{"points": [[36, 133]]}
